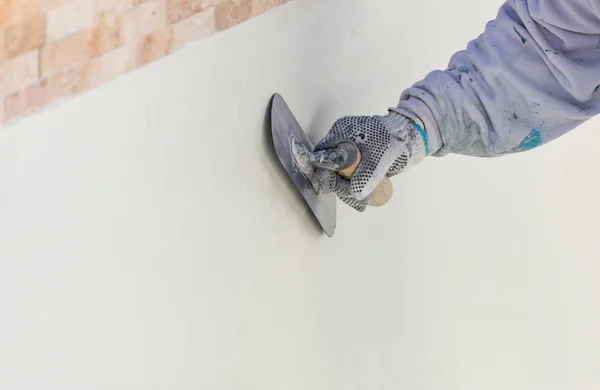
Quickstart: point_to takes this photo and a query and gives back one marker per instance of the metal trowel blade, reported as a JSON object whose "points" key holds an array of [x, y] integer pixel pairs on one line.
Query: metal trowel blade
{"points": [[288, 134]]}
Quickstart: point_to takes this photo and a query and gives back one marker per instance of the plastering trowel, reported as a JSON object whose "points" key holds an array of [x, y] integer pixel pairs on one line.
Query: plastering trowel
{"points": [[296, 153]]}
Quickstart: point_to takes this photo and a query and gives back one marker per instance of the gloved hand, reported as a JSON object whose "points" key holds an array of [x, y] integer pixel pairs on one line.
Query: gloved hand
{"points": [[389, 145]]}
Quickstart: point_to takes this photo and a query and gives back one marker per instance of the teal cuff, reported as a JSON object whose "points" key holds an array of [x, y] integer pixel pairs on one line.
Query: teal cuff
{"points": [[424, 135]]}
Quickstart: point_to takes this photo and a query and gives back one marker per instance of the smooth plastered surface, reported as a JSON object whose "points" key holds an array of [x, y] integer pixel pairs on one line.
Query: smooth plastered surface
{"points": [[149, 239]]}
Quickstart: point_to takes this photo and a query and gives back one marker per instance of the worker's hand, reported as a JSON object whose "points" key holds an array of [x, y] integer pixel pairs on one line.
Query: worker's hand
{"points": [[389, 145]]}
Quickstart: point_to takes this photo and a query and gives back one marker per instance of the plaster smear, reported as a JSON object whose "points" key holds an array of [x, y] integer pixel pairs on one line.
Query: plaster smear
{"points": [[149, 239]]}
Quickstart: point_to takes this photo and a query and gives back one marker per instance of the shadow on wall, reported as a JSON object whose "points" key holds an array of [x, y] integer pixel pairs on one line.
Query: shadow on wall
{"points": [[53, 50]]}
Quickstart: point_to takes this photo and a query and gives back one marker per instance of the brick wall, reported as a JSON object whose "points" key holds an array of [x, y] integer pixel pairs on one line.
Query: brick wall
{"points": [[54, 49]]}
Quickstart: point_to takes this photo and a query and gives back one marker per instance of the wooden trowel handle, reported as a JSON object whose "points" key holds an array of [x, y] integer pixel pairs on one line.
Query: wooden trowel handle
{"points": [[381, 194]]}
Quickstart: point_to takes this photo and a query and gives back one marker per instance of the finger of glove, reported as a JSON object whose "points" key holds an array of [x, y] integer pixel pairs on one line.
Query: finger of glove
{"points": [[329, 181], [399, 165], [378, 148], [343, 130], [377, 164], [358, 205], [344, 192], [372, 138]]}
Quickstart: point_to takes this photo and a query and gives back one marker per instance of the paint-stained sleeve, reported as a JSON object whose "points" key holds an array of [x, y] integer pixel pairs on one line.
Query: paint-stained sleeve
{"points": [[530, 77]]}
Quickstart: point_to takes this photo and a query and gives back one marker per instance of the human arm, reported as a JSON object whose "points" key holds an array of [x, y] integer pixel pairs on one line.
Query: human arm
{"points": [[530, 77]]}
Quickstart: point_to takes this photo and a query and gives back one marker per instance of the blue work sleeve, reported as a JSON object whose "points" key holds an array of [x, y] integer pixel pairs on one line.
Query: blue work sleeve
{"points": [[532, 76]]}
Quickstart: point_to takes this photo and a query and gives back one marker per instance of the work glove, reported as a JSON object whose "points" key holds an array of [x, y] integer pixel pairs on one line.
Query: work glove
{"points": [[388, 144]]}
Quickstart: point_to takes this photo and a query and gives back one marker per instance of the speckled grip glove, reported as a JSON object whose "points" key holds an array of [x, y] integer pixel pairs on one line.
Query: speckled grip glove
{"points": [[389, 145]]}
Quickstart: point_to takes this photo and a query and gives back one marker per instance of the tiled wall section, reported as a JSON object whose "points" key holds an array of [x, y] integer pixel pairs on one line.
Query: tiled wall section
{"points": [[54, 49]]}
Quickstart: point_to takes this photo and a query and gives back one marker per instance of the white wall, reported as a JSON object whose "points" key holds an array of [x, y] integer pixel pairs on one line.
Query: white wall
{"points": [[149, 241]]}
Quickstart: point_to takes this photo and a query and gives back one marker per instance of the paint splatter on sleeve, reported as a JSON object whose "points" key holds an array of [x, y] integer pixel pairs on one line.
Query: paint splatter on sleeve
{"points": [[531, 77]]}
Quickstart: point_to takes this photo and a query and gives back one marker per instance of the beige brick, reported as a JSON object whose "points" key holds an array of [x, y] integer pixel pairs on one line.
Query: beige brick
{"points": [[14, 11], [196, 27], [103, 8], [47, 5], [69, 18], [144, 19], [19, 72], [66, 52], [261, 6], [212, 3], [106, 34], [47, 91], [232, 12], [25, 101], [66, 84], [110, 65], [153, 46], [72, 81], [1, 45], [23, 37], [78, 47], [181, 9]]}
